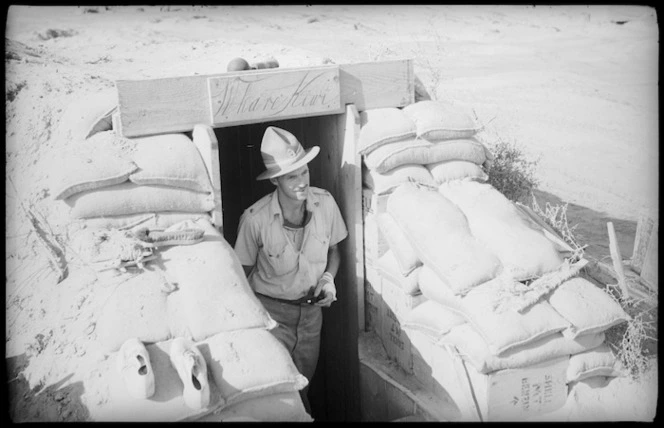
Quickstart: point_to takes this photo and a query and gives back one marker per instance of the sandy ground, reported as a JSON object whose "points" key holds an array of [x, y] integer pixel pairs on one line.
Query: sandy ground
{"points": [[574, 86]]}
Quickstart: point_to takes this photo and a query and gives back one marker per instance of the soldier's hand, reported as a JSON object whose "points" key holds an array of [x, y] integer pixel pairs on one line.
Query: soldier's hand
{"points": [[325, 285]]}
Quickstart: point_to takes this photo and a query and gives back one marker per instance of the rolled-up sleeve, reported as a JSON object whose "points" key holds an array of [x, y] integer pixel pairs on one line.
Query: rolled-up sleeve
{"points": [[248, 238], [338, 231]]}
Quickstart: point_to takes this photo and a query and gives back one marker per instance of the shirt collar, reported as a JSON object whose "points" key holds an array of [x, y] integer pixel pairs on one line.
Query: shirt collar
{"points": [[312, 203]]}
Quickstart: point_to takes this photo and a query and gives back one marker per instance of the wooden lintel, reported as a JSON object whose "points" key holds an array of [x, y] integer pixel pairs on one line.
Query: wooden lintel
{"points": [[177, 104]]}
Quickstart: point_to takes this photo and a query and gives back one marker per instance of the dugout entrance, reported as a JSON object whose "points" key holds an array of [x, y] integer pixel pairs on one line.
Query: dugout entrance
{"points": [[227, 114]]}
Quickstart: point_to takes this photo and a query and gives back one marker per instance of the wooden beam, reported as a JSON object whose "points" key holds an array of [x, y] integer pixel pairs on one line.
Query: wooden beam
{"points": [[206, 142], [644, 229], [177, 104], [617, 260]]}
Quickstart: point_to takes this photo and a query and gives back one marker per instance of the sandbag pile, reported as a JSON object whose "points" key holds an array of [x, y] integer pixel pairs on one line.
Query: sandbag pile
{"points": [[125, 193], [498, 293], [428, 142], [162, 182]]}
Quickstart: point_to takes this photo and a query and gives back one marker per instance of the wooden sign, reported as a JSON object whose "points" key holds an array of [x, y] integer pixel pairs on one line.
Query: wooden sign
{"points": [[243, 97]]}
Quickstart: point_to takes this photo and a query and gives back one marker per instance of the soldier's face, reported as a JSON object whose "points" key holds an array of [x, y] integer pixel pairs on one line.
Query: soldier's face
{"points": [[294, 185]]}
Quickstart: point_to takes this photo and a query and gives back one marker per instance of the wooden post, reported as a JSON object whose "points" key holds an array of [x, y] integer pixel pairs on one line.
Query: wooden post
{"points": [[206, 142], [617, 260]]}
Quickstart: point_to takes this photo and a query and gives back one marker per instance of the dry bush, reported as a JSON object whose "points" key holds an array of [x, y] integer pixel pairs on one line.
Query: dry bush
{"points": [[511, 172], [633, 342]]}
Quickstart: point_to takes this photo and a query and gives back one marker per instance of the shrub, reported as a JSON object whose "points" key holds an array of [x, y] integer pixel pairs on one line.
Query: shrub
{"points": [[511, 172]]}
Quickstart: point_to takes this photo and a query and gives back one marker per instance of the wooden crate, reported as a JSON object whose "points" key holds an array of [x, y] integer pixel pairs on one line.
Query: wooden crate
{"points": [[504, 395], [387, 393], [395, 298], [372, 298], [375, 244]]}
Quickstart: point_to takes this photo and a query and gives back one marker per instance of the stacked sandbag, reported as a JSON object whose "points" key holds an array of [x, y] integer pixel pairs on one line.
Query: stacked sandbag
{"points": [[571, 322], [198, 291], [162, 181], [524, 251], [428, 142]]}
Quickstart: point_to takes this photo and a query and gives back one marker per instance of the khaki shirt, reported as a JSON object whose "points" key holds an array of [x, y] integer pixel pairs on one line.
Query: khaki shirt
{"points": [[280, 270]]}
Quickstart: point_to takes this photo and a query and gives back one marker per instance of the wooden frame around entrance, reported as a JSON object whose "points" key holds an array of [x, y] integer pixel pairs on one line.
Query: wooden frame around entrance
{"points": [[183, 104]]}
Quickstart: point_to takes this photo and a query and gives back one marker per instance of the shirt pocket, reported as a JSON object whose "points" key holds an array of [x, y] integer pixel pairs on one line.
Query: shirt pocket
{"points": [[281, 258], [316, 247]]}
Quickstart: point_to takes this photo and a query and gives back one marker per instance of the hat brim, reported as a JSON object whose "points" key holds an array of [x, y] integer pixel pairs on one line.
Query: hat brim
{"points": [[274, 173]]}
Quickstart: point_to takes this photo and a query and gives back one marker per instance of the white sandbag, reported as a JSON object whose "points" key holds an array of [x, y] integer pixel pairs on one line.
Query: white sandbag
{"points": [[213, 293], [129, 198], [88, 116], [383, 125], [438, 120], [279, 407], [88, 169], [474, 349], [439, 233], [135, 308], [494, 220], [400, 248], [385, 183], [249, 363], [599, 361], [170, 160], [501, 331], [432, 319], [153, 221], [587, 308], [389, 267], [456, 170], [423, 152]]}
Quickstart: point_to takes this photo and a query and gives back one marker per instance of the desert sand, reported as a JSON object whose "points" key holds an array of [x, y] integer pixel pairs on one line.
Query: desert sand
{"points": [[573, 86]]}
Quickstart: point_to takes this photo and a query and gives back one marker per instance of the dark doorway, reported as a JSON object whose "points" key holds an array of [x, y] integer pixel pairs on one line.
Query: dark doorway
{"points": [[334, 390]]}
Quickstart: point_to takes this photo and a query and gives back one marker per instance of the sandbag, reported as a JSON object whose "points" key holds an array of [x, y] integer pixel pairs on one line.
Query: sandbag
{"points": [[278, 407], [400, 248], [91, 114], [129, 198], [383, 125], [456, 170], [599, 361], [249, 363], [213, 293], [496, 222], [385, 183], [135, 308], [388, 267], [423, 152], [439, 233], [502, 331], [170, 160], [438, 120], [474, 349], [432, 319], [88, 169], [153, 221], [587, 308]]}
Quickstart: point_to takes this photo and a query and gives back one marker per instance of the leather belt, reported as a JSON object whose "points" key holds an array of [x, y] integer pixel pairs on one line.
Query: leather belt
{"points": [[308, 299]]}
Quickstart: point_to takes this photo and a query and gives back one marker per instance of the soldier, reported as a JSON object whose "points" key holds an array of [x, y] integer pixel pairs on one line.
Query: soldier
{"points": [[287, 244]]}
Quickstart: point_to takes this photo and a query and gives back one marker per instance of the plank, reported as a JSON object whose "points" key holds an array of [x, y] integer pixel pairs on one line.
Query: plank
{"points": [[548, 231], [378, 84], [650, 264], [240, 98], [339, 174], [177, 104], [617, 259], [206, 142], [644, 231]]}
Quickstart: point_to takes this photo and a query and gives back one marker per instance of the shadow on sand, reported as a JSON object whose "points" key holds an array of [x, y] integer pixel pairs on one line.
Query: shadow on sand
{"points": [[590, 228], [55, 403]]}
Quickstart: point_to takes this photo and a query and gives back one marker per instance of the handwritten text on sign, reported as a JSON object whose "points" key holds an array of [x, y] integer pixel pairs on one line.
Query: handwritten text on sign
{"points": [[272, 95]]}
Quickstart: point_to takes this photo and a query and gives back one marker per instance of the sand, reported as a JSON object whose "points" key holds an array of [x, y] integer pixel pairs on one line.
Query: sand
{"points": [[573, 86]]}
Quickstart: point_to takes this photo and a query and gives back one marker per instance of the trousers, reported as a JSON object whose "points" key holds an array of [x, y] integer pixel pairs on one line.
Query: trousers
{"points": [[298, 329]]}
